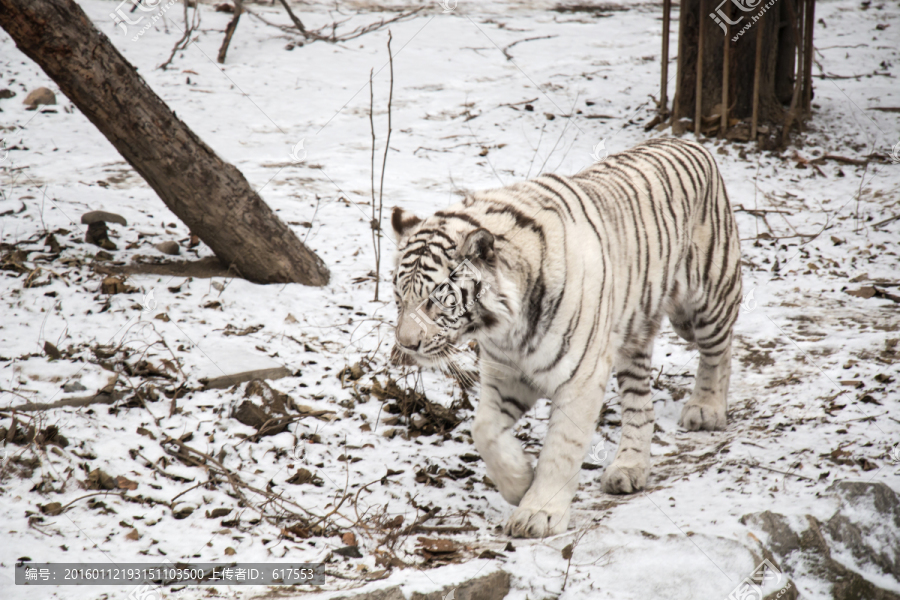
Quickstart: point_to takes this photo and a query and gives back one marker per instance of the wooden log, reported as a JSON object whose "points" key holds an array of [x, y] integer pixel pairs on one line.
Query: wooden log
{"points": [[210, 195]]}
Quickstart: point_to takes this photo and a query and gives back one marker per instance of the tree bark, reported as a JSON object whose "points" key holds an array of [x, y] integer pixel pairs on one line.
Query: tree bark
{"points": [[771, 42], [209, 195]]}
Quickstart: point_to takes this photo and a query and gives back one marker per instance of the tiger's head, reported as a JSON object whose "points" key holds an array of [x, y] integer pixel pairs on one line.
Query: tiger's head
{"points": [[443, 275]]}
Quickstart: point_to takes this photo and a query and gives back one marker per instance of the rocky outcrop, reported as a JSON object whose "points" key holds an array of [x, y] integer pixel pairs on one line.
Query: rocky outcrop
{"points": [[866, 526]]}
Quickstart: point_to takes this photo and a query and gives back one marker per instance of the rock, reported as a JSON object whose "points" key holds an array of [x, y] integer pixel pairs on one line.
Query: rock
{"points": [[494, 586], [866, 526], [183, 512], [391, 593], [41, 95], [114, 285], [356, 372], [52, 509], [782, 539], [868, 523], [349, 552], [100, 480], [171, 248], [272, 400], [73, 386], [52, 351], [251, 415], [97, 232], [4, 94], [98, 216]]}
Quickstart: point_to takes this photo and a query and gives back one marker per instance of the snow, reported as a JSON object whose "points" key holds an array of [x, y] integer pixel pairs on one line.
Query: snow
{"points": [[459, 122]]}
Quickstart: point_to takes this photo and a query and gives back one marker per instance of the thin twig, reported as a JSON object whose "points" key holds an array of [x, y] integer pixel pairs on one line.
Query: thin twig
{"points": [[859, 192], [506, 50], [387, 147], [538, 147], [190, 25], [374, 223], [230, 29], [332, 36], [297, 22], [103, 493], [749, 464]]}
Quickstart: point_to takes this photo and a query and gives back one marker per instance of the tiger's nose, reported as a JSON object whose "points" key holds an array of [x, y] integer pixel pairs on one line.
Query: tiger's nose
{"points": [[408, 334]]}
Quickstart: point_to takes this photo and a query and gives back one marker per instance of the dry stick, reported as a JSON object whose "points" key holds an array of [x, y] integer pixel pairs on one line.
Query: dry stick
{"points": [[103, 493], [538, 147], [180, 494], [387, 146], [229, 30], [506, 50], [885, 222], [190, 25], [698, 101], [726, 57], [101, 398], [315, 35], [374, 223], [171, 476], [859, 192], [664, 75], [297, 22], [237, 483], [754, 120], [758, 466]]}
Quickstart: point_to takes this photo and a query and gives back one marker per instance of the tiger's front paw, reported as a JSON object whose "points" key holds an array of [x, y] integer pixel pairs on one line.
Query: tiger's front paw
{"points": [[537, 523], [698, 416], [624, 479]]}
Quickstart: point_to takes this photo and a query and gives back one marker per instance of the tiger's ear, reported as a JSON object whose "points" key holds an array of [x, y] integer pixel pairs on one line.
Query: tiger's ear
{"points": [[403, 222], [479, 244]]}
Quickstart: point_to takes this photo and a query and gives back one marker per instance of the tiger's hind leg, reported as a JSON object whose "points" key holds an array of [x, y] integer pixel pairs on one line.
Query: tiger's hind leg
{"points": [[712, 330], [629, 469]]}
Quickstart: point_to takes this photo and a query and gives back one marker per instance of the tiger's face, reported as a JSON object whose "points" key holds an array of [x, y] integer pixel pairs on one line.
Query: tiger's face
{"points": [[440, 280]]}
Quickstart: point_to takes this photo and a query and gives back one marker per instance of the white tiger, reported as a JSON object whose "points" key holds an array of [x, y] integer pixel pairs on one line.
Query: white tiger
{"points": [[560, 280]]}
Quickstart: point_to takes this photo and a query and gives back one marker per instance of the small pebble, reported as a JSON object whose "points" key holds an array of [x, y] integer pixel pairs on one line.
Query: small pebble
{"points": [[168, 248]]}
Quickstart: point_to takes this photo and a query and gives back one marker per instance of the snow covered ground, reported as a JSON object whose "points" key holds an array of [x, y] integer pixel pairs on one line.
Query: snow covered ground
{"points": [[814, 397]]}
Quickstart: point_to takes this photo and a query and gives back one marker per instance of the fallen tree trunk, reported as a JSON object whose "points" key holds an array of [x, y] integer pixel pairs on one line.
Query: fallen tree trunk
{"points": [[211, 196]]}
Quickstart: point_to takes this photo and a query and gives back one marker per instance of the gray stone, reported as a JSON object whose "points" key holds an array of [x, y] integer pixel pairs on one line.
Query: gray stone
{"points": [[74, 386], [782, 540], [494, 586], [97, 216], [170, 247], [41, 95], [391, 593], [867, 524]]}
